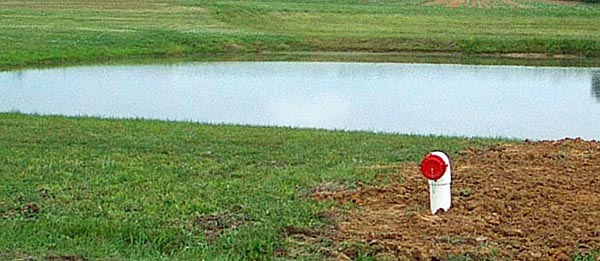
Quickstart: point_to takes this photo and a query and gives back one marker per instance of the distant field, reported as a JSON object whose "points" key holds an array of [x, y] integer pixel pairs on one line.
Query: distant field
{"points": [[53, 32]]}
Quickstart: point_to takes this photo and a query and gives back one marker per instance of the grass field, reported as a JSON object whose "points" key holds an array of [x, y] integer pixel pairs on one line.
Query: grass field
{"points": [[86, 188], [55, 32], [132, 189]]}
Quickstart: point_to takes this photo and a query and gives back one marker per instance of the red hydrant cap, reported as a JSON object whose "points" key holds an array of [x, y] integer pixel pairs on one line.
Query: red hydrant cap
{"points": [[433, 167]]}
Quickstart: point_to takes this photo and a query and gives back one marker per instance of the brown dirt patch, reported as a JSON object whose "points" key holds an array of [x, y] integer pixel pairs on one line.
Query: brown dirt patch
{"points": [[456, 3], [214, 225], [519, 201], [493, 3]]}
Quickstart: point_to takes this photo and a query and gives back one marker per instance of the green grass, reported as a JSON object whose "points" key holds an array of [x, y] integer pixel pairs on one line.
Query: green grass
{"points": [[57, 32], [136, 189]]}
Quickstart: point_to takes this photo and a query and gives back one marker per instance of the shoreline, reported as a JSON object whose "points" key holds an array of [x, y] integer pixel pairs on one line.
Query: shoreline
{"points": [[504, 59]]}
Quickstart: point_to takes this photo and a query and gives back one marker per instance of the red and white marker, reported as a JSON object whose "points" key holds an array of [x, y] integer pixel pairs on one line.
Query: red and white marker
{"points": [[436, 168]]}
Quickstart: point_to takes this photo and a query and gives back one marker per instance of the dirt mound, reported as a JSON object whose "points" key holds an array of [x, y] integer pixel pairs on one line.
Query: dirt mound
{"points": [[520, 201]]}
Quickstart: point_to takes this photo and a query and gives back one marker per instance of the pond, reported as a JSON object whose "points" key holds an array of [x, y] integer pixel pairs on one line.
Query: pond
{"points": [[484, 101]]}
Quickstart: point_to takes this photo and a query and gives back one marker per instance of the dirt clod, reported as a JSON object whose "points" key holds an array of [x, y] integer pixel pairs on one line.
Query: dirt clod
{"points": [[518, 201], [214, 225]]}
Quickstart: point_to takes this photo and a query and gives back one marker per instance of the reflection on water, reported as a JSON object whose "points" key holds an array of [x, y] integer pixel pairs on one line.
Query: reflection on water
{"points": [[524, 102], [596, 85]]}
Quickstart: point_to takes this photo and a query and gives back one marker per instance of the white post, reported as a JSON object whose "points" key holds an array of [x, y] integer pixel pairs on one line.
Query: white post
{"points": [[440, 191]]}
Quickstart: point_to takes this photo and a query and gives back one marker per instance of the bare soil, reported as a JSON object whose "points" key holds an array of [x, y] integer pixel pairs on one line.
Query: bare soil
{"points": [[492, 3], [528, 201]]}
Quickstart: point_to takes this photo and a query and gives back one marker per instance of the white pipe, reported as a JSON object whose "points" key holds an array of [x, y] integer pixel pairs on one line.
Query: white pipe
{"points": [[440, 191]]}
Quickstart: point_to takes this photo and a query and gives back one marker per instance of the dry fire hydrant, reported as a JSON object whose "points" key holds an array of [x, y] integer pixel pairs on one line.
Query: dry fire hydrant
{"points": [[436, 168]]}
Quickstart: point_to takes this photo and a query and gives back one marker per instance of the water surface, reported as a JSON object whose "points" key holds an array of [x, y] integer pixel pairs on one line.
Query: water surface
{"points": [[521, 102]]}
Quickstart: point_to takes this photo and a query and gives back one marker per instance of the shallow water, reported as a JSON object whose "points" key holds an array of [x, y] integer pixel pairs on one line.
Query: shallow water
{"points": [[521, 102]]}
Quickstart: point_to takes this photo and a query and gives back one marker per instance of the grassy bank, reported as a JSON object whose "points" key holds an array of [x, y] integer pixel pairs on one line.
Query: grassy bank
{"points": [[134, 189], [53, 32]]}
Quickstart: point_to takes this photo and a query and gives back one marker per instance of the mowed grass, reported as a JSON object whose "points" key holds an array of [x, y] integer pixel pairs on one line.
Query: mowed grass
{"points": [[136, 189], [55, 32]]}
